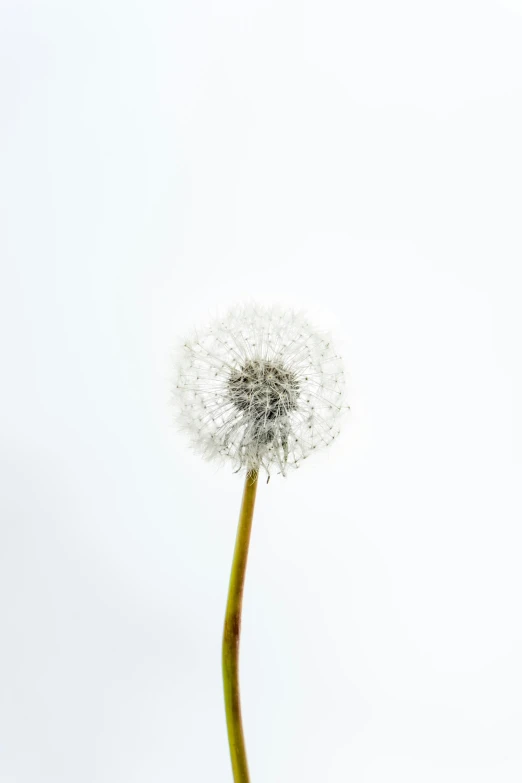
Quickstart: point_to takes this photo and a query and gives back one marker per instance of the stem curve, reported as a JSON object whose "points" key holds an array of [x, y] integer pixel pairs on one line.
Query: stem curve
{"points": [[232, 632]]}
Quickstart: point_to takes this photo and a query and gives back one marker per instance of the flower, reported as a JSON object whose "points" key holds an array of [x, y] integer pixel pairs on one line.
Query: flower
{"points": [[261, 387]]}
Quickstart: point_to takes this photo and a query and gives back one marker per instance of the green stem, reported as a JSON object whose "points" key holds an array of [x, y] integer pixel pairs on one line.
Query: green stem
{"points": [[232, 632]]}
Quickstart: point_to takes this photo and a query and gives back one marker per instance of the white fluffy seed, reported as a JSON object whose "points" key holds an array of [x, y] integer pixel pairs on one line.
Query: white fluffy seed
{"points": [[260, 387]]}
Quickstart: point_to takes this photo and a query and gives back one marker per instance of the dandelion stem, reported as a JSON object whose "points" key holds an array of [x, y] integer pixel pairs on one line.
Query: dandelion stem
{"points": [[232, 631]]}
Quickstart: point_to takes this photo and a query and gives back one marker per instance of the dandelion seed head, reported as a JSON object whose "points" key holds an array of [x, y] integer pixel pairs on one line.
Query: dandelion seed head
{"points": [[260, 387]]}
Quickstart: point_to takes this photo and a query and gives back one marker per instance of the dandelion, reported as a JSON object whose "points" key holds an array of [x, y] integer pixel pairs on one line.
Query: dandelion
{"points": [[262, 389]]}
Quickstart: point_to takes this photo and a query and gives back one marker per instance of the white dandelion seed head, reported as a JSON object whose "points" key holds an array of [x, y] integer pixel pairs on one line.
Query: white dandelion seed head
{"points": [[260, 387]]}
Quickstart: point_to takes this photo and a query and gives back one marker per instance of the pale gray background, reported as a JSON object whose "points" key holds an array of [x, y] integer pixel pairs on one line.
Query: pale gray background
{"points": [[161, 160]]}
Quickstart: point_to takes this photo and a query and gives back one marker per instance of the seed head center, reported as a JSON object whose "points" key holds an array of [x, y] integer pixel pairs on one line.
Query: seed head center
{"points": [[266, 390]]}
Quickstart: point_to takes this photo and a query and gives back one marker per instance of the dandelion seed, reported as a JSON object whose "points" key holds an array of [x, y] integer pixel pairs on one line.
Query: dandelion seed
{"points": [[261, 388]]}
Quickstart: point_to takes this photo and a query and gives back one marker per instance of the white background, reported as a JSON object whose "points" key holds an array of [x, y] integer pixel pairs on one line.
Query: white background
{"points": [[162, 160]]}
